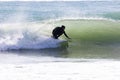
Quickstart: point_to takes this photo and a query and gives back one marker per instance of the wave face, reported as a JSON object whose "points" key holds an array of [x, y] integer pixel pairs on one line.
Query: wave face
{"points": [[93, 30]]}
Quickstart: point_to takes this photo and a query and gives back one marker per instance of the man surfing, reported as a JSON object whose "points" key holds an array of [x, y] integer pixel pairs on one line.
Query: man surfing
{"points": [[58, 31]]}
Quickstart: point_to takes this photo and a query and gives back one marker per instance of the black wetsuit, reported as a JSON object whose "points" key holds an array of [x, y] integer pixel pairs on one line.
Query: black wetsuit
{"points": [[58, 31]]}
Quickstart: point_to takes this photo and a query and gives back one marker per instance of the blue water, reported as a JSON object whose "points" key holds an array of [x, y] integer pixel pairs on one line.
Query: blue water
{"points": [[37, 11]]}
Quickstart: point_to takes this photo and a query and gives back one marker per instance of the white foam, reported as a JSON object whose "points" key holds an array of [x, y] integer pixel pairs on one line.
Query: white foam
{"points": [[27, 36], [22, 42], [103, 70]]}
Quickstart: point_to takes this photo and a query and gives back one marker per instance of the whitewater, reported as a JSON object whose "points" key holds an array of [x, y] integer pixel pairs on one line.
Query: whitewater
{"points": [[28, 51], [25, 37]]}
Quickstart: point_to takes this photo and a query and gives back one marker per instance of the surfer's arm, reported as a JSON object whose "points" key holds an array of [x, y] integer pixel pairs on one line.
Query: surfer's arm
{"points": [[66, 35]]}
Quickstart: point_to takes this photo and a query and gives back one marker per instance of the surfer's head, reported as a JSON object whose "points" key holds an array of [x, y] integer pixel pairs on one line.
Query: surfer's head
{"points": [[63, 26]]}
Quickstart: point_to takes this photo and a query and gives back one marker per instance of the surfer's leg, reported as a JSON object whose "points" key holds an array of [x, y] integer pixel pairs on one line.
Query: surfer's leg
{"points": [[55, 36], [59, 35]]}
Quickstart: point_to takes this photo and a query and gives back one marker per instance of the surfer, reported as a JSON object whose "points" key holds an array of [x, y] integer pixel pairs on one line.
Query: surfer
{"points": [[58, 31]]}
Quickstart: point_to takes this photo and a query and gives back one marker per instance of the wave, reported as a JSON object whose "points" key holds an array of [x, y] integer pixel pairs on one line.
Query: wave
{"points": [[38, 35], [112, 15], [92, 30], [38, 11], [91, 38], [27, 36]]}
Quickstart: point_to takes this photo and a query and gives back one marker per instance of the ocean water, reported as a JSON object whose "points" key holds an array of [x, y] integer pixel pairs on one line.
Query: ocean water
{"points": [[27, 50]]}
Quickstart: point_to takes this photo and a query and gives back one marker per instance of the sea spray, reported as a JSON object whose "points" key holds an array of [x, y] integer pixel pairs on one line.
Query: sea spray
{"points": [[27, 36]]}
